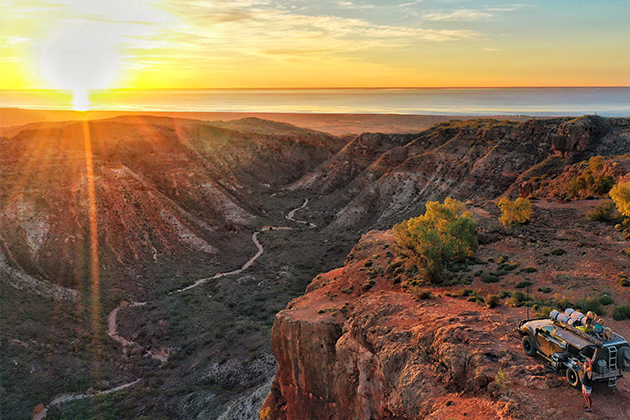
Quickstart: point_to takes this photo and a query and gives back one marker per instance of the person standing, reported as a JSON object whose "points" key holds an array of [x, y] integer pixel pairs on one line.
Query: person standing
{"points": [[587, 384]]}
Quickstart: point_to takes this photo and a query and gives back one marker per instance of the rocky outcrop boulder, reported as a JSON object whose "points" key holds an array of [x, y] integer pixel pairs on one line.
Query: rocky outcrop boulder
{"points": [[575, 136]]}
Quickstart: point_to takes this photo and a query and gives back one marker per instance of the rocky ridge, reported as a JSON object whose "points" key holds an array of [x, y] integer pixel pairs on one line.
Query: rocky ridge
{"points": [[378, 180]]}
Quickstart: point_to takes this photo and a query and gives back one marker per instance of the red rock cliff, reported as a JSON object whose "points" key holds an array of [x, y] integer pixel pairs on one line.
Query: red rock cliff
{"points": [[357, 346]]}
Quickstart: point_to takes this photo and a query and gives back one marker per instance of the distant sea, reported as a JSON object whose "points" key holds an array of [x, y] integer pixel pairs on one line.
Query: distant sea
{"points": [[462, 101]]}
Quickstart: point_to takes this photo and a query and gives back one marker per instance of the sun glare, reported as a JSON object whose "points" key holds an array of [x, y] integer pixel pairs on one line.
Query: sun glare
{"points": [[81, 102], [79, 59]]}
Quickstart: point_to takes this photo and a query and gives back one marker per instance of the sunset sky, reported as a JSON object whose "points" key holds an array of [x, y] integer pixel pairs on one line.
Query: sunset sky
{"points": [[91, 44]]}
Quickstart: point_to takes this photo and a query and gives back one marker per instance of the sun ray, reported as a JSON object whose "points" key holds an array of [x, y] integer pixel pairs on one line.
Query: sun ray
{"points": [[93, 219]]}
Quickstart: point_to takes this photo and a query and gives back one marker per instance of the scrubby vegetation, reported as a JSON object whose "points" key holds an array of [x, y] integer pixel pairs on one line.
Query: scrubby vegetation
{"points": [[592, 181], [517, 212], [445, 234], [620, 194], [603, 212], [622, 312]]}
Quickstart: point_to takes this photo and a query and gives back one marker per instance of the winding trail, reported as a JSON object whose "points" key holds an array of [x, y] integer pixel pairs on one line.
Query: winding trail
{"points": [[162, 354], [240, 270], [291, 215], [112, 329]]}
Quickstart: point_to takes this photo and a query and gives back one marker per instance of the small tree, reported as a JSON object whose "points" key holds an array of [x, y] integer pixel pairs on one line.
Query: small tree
{"points": [[515, 212], [444, 233], [620, 194]]}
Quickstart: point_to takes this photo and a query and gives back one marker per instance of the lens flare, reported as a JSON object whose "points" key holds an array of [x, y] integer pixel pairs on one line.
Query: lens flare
{"points": [[79, 59]]}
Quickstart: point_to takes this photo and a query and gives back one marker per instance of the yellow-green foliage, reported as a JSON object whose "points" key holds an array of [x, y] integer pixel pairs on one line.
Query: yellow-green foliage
{"points": [[591, 181], [515, 212], [446, 232], [620, 194], [264, 413]]}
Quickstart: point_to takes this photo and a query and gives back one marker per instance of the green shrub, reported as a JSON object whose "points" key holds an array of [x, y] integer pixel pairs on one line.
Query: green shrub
{"points": [[558, 252], [620, 194], [367, 286], [606, 300], [517, 212], [529, 270], [624, 283], [507, 267], [544, 289], [465, 279], [489, 278], [621, 312], [492, 301], [517, 299], [424, 294], [523, 284], [602, 212], [443, 234], [590, 304]]}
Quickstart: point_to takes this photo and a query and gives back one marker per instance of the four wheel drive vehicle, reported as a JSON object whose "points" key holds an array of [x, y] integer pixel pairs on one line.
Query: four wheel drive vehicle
{"points": [[566, 347]]}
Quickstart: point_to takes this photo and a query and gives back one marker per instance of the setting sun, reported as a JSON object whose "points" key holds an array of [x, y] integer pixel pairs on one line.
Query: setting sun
{"points": [[81, 102], [79, 59]]}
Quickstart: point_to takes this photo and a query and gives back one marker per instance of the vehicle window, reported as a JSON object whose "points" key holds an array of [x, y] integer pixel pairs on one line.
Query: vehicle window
{"points": [[588, 351], [548, 329]]}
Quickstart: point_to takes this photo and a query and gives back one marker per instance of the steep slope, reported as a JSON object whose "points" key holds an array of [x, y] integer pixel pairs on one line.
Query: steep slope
{"points": [[164, 189], [391, 177]]}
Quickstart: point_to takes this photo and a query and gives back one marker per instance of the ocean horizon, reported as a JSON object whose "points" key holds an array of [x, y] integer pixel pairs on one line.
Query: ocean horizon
{"points": [[574, 101]]}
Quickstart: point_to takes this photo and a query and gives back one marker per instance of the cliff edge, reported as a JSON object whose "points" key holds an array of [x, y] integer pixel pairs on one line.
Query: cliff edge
{"points": [[358, 345]]}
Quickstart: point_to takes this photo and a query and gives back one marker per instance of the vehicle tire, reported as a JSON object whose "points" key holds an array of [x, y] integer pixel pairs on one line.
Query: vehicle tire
{"points": [[573, 378], [528, 345], [623, 357]]}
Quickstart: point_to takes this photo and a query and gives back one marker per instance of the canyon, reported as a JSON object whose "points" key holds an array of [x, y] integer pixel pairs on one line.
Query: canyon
{"points": [[179, 201]]}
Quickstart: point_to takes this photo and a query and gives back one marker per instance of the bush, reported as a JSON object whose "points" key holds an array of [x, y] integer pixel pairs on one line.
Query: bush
{"points": [[517, 212], [620, 194], [624, 283], [590, 304], [445, 233], [492, 301], [523, 284], [489, 278], [544, 289], [529, 270], [558, 251], [602, 212], [424, 294], [517, 299], [622, 312], [606, 300], [507, 267]]}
